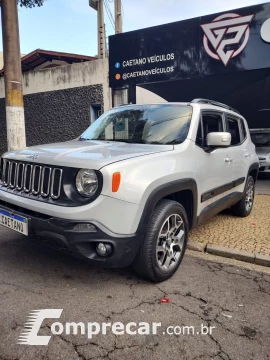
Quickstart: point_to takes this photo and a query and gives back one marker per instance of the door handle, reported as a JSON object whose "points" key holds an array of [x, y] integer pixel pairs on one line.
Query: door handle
{"points": [[228, 159]]}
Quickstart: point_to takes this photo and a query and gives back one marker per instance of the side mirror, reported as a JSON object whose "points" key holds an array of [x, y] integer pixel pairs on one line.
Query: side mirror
{"points": [[219, 139]]}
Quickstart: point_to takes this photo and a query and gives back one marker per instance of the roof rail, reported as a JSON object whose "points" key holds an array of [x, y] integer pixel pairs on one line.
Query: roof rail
{"points": [[212, 102]]}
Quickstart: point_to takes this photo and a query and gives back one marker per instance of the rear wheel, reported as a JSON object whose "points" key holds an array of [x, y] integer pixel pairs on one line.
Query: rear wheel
{"points": [[165, 242], [244, 207]]}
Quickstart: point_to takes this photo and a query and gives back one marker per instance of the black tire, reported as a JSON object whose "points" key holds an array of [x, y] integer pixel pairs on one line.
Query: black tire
{"points": [[147, 264], [241, 208]]}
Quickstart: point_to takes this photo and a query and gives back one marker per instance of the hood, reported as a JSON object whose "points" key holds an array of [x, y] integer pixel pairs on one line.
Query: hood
{"points": [[264, 150], [92, 154]]}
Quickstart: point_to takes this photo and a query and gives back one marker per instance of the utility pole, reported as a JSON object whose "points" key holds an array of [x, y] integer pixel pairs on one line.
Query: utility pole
{"points": [[98, 5], [118, 16], [106, 44], [101, 31], [13, 75]]}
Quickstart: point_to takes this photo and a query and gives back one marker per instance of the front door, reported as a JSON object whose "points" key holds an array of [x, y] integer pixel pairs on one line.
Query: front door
{"points": [[214, 168]]}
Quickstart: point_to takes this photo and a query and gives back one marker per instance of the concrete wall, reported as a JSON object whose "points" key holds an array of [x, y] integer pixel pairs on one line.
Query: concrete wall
{"points": [[58, 101], [1, 60], [144, 96]]}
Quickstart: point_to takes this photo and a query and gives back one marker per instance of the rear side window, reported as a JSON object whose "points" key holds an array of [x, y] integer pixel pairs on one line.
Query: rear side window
{"points": [[233, 129]]}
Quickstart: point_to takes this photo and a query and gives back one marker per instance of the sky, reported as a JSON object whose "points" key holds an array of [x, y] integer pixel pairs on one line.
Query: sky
{"points": [[71, 25]]}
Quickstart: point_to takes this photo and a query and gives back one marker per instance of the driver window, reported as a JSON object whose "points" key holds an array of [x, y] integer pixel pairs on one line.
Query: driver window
{"points": [[210, 123]]}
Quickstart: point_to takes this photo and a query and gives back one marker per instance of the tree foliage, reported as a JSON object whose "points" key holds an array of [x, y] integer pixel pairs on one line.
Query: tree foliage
{"points": [[29, 3]]}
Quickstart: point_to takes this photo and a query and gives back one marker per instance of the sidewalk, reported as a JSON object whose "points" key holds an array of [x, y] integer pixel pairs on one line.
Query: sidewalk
{"points": [[251, 234]]}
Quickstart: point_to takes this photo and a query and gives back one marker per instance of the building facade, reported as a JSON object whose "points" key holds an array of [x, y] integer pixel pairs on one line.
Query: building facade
{"points": [[60, 102]]}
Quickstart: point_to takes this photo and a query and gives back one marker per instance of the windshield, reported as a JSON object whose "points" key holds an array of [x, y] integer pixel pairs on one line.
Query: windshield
{"points": [[261, 139], [147, 124]]}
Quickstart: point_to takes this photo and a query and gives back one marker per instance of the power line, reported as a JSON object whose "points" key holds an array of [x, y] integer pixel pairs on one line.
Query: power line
{"points": [[109, 13]]}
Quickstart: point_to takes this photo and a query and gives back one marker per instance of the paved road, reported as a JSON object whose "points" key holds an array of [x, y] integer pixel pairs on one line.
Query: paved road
{"points": [[236, 300]]}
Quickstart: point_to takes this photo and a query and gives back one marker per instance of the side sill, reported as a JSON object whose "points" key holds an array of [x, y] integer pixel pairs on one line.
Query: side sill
{"points": [[219, 205]]}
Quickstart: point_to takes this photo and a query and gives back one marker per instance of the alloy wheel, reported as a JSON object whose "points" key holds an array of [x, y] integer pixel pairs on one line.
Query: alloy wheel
{"points": [[249, 195], [170, 242]]}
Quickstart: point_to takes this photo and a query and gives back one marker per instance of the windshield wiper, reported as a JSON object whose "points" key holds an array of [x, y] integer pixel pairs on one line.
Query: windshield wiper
{"points": [[85, 139], [130, 141]]}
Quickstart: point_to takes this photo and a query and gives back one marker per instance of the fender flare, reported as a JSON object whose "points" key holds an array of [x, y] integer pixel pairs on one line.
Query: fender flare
{"points": [[164, 190], [254, 166]]}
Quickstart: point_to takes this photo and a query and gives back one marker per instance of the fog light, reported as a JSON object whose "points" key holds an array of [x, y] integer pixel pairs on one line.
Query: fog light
{"points": [[104, 249], [85, 227]]}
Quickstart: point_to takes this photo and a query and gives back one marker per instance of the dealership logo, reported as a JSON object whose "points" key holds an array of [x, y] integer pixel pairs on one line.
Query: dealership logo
{"points": [[223, 31], [265, 31]]}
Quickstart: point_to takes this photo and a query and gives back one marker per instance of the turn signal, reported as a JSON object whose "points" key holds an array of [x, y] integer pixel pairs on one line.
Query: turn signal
{"points": [[116, 179]]}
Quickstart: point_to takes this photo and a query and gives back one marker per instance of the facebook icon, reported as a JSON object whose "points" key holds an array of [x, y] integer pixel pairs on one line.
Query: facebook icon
{"points": [[117, 65]]}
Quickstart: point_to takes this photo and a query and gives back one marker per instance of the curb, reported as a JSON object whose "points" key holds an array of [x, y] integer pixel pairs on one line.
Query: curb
{"points": [[242, 255]]}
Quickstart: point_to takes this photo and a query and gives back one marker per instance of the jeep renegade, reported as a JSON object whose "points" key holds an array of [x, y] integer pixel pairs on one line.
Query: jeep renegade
{"points": [[129, 189]]}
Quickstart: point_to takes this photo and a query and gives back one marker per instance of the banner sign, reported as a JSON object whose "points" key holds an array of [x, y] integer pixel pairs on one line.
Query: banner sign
{"points": [[230, 42]]}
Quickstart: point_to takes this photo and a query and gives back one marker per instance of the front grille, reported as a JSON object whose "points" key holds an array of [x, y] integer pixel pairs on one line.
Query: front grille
{"points": [[32, 179], [262, 158]]}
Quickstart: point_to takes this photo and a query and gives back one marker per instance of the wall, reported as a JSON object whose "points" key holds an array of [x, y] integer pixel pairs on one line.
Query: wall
{"points": [[144, 96], [1, 60], [58, 100]]}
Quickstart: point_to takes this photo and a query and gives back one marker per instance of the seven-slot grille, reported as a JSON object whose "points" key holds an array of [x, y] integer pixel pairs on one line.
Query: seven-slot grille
{"points": [[32, 179]]}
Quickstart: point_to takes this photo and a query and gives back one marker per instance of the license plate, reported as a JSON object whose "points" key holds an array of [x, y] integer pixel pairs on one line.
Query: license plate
{"points": [[14, 222]]}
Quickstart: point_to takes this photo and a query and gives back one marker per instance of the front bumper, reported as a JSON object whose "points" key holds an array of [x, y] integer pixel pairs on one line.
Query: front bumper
{"points": [[60, 234]]}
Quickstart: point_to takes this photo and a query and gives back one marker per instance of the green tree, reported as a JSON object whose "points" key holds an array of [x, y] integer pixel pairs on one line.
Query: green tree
{"points": [[29, 3]]}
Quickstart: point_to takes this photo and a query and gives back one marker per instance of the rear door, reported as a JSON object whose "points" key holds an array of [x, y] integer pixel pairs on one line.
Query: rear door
{"points": [[241, 156]]}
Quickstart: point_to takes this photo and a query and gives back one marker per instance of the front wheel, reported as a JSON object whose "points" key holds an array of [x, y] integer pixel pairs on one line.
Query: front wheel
{"points": [[164, 245], [244, 207]]}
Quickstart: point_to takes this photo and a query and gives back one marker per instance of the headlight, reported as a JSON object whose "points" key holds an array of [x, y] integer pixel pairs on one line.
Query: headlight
{"points": [[87, 182]]}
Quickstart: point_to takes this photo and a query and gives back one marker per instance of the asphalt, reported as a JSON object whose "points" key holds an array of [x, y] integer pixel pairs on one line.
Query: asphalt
{"points": [[232, 296]]}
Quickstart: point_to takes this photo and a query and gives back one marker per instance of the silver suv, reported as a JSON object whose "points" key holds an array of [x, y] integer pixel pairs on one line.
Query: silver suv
{"points": [[135, 182]]}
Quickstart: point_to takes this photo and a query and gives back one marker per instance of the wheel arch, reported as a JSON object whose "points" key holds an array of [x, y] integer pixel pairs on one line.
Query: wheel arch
{"points": [[253, 171], [184, 189]]}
